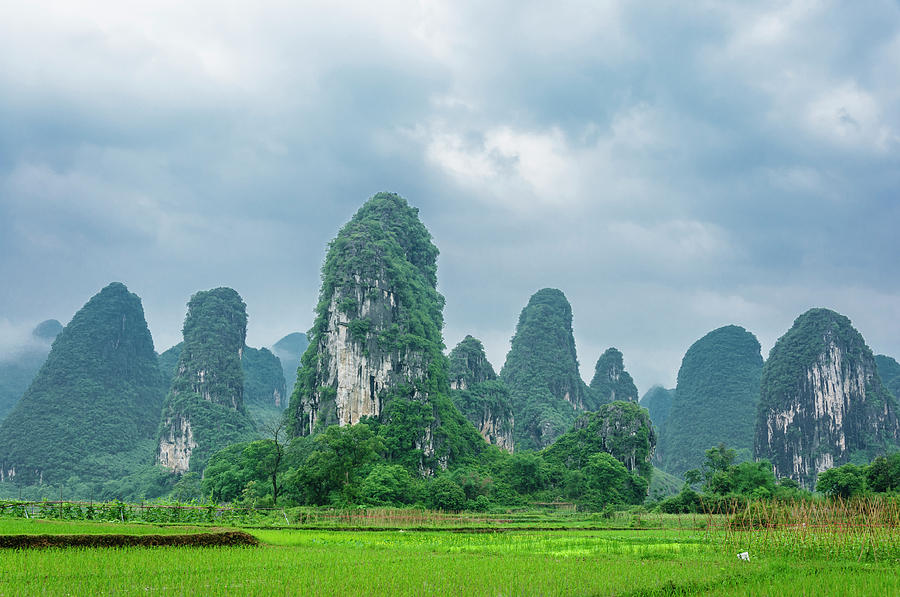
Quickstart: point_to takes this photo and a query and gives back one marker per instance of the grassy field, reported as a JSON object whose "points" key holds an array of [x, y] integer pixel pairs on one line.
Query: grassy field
{"points": [[790, 559]]}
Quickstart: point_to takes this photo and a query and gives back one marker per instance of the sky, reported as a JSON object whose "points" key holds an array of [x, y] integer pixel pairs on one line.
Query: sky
{"points": [[672, 167]]}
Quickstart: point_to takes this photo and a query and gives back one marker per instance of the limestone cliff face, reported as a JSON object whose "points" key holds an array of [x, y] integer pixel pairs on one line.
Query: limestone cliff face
{"points": [[176, 447], [611, 382], [204, 410], [822, 400], [376, 348], [480, 395], [355, 367]]}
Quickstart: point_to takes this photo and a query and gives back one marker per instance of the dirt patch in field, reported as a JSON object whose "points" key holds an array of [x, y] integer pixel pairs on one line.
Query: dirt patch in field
{"points": [[231, 538]]}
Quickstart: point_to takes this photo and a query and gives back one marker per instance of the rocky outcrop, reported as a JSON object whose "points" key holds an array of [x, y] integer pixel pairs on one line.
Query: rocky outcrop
{"points": [[480, 395], [93, 407], [376, 346], [541, 371], [715, 399], [204, 410], [822, 400], [621, 429], [611, 382]]}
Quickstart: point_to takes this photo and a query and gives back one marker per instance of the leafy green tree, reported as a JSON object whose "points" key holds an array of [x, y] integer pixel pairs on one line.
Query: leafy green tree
{"points": [[445, 494], [883, 474], [341, 459], [844, 481], [386, 485]]}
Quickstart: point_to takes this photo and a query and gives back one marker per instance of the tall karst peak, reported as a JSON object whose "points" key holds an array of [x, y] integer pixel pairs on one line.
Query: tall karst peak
{"points": [[479, 394], [611, 382], [541, 371], [97, 396], [822, 400], [204, 410], [376, 348], [716, 397]]}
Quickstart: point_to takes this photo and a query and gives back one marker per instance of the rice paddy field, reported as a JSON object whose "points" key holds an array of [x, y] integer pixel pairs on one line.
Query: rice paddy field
{"points": [[798, 550]]}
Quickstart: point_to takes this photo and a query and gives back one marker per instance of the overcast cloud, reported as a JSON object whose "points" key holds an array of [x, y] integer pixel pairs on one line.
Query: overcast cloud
{"points": [[672, 167]]}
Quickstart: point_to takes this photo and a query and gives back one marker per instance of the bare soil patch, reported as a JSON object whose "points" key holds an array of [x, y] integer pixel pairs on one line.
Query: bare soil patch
{"points": [[230, 538]]}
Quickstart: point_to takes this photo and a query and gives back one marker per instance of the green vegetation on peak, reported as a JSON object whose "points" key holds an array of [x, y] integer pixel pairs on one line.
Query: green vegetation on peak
{"points": [[18, 369], [264, 393], [807, 339], [611, 382], [289, 350], [204, 410], [96, 398], [541, 371], [716, 398]]}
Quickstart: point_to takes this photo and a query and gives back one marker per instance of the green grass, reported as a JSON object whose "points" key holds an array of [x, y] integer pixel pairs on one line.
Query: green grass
{"points": [[330, 562], [817, 548]]}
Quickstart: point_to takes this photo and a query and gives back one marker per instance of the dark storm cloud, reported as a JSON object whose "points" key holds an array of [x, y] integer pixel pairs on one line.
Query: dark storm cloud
{"points": [[671, 167]]}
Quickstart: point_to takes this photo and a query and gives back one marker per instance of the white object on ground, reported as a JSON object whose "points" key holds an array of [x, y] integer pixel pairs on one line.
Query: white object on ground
{"points": [[744, 555]]}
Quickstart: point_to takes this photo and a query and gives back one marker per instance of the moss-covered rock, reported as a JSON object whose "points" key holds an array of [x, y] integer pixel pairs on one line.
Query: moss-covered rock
{"points": [[621, 429]]}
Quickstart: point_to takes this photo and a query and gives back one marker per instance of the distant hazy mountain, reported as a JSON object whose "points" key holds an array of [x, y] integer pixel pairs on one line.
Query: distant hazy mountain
{"points": [[19, 368], [289, 350]]}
